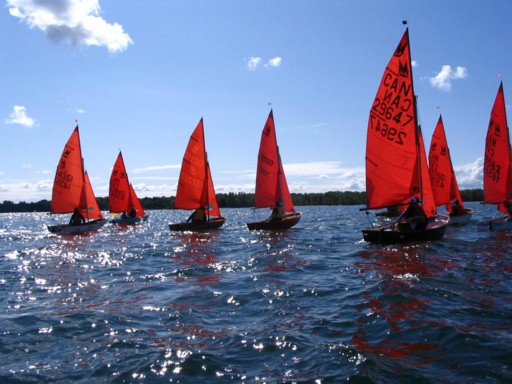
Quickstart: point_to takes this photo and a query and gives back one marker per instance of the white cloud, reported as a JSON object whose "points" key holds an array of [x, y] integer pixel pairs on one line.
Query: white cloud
{"points": [[275, 62], [253, 63], [80, 111], [19, 116], [156, 168], [443, 80], [75, 21], [470, 175]]}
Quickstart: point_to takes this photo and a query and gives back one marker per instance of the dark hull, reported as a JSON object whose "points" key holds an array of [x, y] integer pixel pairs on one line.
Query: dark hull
{"points": [[389, 234], [288, 221], [213, 223], [129, 220], [66, 229]]}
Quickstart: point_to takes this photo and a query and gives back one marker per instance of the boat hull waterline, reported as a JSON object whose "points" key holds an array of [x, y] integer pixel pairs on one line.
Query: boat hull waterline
{"points": [[462, 219], [499, 224], [68, 229], [389, 234], [288, 221], [129, 220], [213, 223]]}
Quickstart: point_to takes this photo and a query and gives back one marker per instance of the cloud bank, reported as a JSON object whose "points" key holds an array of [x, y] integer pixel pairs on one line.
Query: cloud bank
{"points": [[75, 21], [19, 116], [443, 80]]}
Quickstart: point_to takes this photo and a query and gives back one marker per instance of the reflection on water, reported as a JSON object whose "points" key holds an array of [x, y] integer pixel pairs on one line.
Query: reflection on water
{"points": [[314, 304]]}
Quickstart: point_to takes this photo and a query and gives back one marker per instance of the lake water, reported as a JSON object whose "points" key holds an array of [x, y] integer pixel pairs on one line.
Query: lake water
{"points": [[314, 304]]}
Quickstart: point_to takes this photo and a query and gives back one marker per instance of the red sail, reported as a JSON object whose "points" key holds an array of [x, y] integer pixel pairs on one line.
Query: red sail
{"points": [[394, 144], [90, 210], [497, 168], [195, 185], [427, 195], [271, 185], [69, 178], [119, 190], [135, 203], [442, 177]]}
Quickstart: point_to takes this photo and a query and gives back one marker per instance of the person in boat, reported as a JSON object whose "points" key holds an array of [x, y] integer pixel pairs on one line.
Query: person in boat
{"points": [[76, 218], [277, 211], [507, 205], [132, 213], [413, 218], [198, 216], [457, 209]]}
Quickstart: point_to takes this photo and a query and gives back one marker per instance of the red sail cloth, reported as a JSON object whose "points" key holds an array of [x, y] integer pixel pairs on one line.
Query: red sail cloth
{"points": [[195, 185], [271, 185], [497, 167]]}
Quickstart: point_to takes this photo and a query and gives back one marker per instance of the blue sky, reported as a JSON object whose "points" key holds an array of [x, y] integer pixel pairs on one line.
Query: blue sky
{"points": [[138, 75]]}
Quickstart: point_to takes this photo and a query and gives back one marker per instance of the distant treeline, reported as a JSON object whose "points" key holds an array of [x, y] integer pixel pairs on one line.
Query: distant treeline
{"points": [[232, 200]]}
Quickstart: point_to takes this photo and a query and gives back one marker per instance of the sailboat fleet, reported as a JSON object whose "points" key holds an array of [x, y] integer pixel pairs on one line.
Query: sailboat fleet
{"points": [[398, 176]]}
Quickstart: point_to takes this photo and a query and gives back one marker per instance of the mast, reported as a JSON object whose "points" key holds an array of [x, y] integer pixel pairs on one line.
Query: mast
{"points": [[279, 198], [417, 128], [207, 209]]}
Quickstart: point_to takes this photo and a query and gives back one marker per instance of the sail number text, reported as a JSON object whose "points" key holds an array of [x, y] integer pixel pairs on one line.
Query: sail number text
{"points": [[492, 170], [388, 132], [63, 180]]}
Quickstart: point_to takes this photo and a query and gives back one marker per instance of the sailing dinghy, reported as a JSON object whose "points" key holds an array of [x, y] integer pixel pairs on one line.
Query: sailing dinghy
{"points": [[195, 188], [271, 186], [396, 163], [72, 189], [497, 167], [442, 178], [122, 199]]}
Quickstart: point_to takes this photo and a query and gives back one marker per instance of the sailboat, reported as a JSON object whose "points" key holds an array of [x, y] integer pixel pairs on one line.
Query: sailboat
{"points": [[195, 187], [442, 178], [396, 163], [497, 167], [122, 198], [271, 186], [72, 190]]}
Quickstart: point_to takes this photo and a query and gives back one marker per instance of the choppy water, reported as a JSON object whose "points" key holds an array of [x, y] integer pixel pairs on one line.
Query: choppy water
{"points": [[314, 304]]}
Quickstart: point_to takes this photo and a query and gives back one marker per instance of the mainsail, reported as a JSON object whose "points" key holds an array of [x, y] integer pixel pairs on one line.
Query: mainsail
{"points": [[497, 161], [122, 196], [442, 177], [68, 184], [271, 185], [195, 185], [396, 166]]}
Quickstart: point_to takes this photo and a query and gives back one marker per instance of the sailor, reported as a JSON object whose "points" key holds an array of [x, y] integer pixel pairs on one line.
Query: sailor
{"points": [[413, 216]]}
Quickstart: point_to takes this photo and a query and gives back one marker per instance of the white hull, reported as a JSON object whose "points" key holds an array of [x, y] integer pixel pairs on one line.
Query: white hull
{"points": [[500, 224], [129, 220], [462, 219], [66, 229]]}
